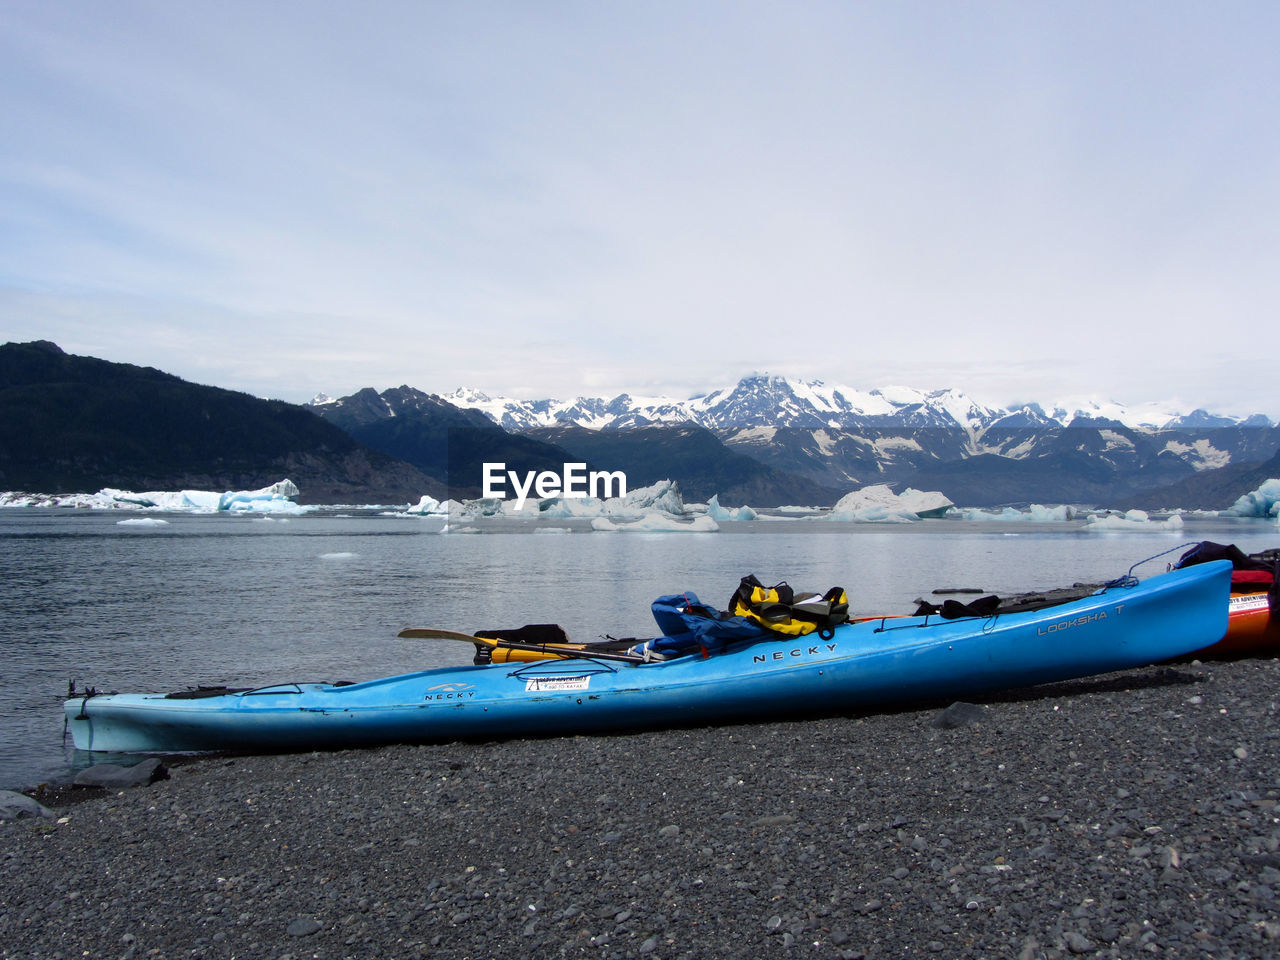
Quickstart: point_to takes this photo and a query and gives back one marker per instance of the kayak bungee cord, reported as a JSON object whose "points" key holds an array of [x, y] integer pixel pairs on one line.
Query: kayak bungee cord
{"points": [[976, 611], [1129, 580]]}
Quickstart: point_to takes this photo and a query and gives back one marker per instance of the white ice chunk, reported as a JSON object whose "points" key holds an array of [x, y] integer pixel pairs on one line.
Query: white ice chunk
{"points": [[924, 502], [878, 494], [1263, 502], [655, 521], [494, 507], [428, 506], [1130, 520], [142, 522], [1035, 513], [874, 513], [277, 498], [879, 504], [564, 508], [717, 512], [663, 495]]}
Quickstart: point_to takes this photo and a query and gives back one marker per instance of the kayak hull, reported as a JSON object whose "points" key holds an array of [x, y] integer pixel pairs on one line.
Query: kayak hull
{"points": [[863, 665], [1250, 626]]}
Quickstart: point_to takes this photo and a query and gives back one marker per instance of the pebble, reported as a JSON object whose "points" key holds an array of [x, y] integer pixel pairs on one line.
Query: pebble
{"points": [[14, 806], [959, 714], [1078, 942], [115, 776], [1057, 826], [303, 927]]}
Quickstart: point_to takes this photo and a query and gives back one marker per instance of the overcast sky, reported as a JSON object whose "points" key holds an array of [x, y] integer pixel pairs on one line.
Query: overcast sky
{"points": [[1022, 200]]}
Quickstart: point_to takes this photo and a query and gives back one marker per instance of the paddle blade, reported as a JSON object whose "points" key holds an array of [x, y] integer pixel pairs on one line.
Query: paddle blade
{"points": [[432, 633]]}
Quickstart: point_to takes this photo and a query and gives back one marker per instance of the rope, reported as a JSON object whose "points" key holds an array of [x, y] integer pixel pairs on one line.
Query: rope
{"points": [[1129, 580]]}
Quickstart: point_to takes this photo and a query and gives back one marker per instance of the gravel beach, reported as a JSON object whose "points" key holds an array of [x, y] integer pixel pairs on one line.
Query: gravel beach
{"points": [[1131, 815]]}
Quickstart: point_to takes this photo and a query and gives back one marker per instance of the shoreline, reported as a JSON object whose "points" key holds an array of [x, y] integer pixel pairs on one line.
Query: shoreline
{"points": [[1111, 816]]}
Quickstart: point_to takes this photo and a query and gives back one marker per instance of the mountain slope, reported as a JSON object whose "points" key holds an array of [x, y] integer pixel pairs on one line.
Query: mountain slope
{"points": [[72, 424], [839, 438], [761, 400], [446, 443], [695, 458], [1211, 490], [432, 433]]}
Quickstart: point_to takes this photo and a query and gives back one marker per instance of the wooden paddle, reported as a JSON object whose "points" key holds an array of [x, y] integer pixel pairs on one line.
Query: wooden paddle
{"points": [[552, 650]]}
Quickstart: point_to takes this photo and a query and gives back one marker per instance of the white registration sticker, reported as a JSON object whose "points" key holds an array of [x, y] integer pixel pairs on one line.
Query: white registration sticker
{"points": [[1244, 602], [552, 684]]}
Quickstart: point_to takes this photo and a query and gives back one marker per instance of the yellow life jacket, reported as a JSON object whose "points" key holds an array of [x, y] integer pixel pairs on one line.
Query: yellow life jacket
{"points": [[781, 609]]}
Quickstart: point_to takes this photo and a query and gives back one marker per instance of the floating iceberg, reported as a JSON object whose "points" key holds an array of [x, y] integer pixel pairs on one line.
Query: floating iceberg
{"points": [[879, 504], [1035, 513], [277, 498], [925, 504], [142, 522], [496, 507], [429, 506], [717, 512], [563, 508], [662, 497], [1131, 520], [1263, 502], [655, 521]]}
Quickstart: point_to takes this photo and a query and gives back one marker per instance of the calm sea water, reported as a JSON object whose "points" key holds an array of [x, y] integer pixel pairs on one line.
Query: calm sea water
{"points": [[249, 601]]}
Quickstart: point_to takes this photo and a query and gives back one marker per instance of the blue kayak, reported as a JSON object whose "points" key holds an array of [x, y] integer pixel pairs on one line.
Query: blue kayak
{"points": [[861, 665]]}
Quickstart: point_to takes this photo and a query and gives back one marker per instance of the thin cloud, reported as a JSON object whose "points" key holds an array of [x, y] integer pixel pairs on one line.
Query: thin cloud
{"points": [[1023, 202]]}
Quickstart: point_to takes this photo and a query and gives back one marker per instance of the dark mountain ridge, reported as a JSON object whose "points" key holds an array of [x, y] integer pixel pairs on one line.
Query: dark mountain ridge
{"points": [[420, 428], [73, 424], [77, 424], [445, 442]]}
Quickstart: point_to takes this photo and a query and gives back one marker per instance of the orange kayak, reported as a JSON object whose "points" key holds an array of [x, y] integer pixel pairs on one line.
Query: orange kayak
{"points": [[1250, 626]]}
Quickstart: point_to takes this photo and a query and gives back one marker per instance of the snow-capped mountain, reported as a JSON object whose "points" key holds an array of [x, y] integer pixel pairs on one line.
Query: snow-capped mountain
{"points": [[762, 400], [367, 406], [594, 413], [840, 437]]}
